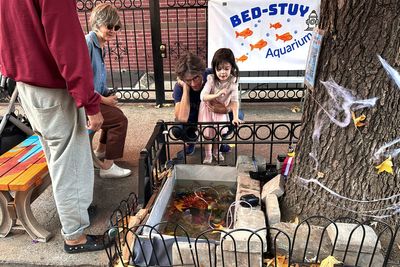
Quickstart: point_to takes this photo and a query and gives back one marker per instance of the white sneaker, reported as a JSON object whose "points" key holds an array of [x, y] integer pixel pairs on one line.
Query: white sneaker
{"points": [[207, 159], [99, 155], [115, 172], [219, 156]]}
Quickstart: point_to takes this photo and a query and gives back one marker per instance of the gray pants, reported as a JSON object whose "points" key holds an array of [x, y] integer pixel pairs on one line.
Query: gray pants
{"points": [[64, 137]]}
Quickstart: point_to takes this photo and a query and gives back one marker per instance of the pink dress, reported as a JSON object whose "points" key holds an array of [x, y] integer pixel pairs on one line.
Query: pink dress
{"points": [[205, 115]]}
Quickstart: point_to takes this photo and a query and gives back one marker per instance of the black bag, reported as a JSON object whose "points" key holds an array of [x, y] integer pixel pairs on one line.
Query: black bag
{"points": [[7, 84], [10, 137]]}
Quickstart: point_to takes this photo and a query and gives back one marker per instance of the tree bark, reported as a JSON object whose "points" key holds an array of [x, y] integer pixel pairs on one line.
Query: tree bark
{"points": [[355, 33]]}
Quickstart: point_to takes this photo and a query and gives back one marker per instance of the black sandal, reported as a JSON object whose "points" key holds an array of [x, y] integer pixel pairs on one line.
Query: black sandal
{"points": [[93, 243]]}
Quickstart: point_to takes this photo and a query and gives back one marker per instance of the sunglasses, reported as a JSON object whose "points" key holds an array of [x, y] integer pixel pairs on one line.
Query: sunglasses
{"points": [[115, 27]]}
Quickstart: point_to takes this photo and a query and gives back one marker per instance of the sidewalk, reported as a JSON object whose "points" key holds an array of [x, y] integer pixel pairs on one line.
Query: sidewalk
{"points": [[18, 249]]}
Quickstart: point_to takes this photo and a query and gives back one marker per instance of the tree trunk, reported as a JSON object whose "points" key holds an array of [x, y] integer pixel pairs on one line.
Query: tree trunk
{"points": [[355, 33]]}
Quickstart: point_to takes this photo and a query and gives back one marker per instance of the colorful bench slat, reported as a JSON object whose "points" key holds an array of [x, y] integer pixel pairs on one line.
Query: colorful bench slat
{"points": [[23, 170], [20, 148], [24, 165]]}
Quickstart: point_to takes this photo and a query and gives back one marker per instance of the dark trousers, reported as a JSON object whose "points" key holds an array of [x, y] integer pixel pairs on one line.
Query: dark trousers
{"points": [[113, 132]]}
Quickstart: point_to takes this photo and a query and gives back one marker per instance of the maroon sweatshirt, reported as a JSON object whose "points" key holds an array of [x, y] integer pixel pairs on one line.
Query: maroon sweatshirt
{"points": [[42, 44]]}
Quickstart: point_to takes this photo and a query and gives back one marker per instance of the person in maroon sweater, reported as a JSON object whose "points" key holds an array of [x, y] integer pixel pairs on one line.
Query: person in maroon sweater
{"points": [[43, 48]]}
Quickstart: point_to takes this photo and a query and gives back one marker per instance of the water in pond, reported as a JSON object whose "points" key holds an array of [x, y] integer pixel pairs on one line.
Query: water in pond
{"points": [[198, 206]]}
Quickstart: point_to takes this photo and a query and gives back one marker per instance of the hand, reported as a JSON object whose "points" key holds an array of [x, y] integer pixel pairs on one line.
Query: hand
{"points": [[94, 121], [222, 92], [236, 121], [111, 100], [216, 107], [180, 82]]}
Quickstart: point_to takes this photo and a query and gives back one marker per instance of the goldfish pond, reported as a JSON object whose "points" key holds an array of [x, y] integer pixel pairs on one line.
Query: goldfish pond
{"points": [[198, 198]]}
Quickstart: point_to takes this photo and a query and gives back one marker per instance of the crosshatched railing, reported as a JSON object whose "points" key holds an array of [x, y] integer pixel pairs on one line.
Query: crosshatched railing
{"points": [[305, 243], [166, 145]]}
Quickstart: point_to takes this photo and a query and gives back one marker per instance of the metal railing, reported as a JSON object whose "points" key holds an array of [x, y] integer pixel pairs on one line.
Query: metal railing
{"points": [[166, 146], [306, 243]]}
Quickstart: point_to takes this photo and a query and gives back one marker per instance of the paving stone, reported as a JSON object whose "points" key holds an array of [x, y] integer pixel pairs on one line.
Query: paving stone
{"points": [[275, 187], [343, 235], [239, 240], [206, 255], [245, 164], [249, 218], [281, 243], [245, 182], [239, 259], [272, 209], [205, 252]]}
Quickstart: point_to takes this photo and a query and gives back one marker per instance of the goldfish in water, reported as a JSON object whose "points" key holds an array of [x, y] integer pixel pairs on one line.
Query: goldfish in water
{"points": [[245, 33], [260, 44], [242, 58], [284, 37], [275, 25]]}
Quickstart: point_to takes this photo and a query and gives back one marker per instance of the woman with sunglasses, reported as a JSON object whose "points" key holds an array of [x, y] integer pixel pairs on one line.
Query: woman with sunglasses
{"points": [[105, 22]]}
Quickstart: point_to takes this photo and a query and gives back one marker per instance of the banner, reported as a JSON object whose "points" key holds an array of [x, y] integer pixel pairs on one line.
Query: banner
{"points": [[263, 35]]}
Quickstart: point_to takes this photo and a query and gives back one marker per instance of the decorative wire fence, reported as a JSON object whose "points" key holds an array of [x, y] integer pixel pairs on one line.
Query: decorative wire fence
{"points": [[353, 243]]}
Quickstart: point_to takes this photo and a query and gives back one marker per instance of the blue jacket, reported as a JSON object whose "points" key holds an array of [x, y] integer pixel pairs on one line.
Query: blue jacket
{"points": [[97, 59]]}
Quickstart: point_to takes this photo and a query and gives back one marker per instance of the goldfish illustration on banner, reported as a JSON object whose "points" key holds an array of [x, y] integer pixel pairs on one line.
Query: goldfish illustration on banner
{"points": [[265, 35], [284, 37], [242, 58], [245, 33], [260, 44], [275, 25]]}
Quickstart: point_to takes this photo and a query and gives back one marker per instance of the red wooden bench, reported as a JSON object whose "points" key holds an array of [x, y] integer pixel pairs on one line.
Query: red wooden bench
{"points": [[23, 177]]}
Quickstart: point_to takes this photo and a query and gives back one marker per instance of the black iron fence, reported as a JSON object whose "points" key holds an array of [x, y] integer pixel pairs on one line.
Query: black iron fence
{"points": [[166, 145], [140, 60], [284, 244], [154, 34]]}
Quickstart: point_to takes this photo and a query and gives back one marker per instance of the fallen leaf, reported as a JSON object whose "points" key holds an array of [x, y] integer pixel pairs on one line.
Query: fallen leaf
{"points": [[398, 246], [269, 262], [280, 262], [358, 122], [386, 166], [329, 261], [296, 221], [320, 174], [296, 109]]}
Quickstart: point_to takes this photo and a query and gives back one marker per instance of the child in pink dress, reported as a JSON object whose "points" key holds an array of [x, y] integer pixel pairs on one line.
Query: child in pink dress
{"points": [[221, 86]]}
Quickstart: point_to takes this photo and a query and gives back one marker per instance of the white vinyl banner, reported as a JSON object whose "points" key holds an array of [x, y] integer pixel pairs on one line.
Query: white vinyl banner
{"points": [[263, 34]]}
